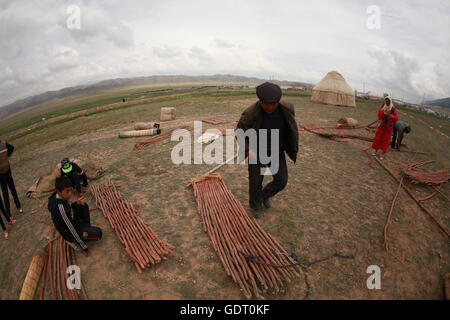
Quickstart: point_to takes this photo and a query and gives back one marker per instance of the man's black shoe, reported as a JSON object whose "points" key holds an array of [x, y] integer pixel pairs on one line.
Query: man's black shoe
{"points": [[256, 212], [266, 203]]}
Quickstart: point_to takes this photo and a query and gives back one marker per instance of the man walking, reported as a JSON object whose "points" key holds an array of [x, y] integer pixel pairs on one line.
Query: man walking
{"points": [[274, 116]]}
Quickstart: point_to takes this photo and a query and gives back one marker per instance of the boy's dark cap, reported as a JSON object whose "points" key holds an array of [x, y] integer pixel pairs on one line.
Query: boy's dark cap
{"points": [[269, 93]]}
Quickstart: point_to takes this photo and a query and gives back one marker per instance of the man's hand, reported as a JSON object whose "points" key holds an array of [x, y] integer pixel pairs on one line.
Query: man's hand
{"points": [[80, 199], [87, 253]]}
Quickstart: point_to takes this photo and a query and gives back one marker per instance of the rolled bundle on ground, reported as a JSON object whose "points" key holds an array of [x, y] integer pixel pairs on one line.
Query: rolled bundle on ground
{"points": [[139, 133], [32, 278], [348, 122], [168, 114], [143, 125]]}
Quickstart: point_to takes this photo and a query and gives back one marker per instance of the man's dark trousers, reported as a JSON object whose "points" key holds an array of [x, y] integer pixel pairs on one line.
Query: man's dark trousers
{"points": [[279, 182], [82, 222]]}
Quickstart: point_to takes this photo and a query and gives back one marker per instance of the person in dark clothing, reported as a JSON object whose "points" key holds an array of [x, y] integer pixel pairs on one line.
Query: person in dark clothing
{"points": [[75, 174], [6, 179], [400, 128], [10, 220], [5, 232], [269, 114], [2, 224], [71, 221]]}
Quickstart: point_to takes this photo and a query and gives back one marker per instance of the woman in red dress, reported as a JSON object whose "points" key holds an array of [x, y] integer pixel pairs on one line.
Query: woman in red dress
{"points": [[388, 117]]}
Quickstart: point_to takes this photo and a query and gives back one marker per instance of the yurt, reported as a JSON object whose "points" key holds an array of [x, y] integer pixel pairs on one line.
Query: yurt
{"points": [[334, 90]]}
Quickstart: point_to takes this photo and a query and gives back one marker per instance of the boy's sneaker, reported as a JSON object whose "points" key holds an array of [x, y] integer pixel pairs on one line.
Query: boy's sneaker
{"points": [[6, 234], [11, 221], [20, 210]]}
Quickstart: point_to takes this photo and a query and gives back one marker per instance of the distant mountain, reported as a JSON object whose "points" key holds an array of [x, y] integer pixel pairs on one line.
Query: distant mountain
{"points": [[444, 103], [124, 82]]}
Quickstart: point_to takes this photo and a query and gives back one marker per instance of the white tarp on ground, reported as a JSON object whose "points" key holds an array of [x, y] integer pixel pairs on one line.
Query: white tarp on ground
{"points": [[209, 136]]}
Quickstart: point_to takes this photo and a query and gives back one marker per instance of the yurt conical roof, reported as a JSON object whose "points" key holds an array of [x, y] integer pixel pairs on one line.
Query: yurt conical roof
{"points": [[334, 90]]}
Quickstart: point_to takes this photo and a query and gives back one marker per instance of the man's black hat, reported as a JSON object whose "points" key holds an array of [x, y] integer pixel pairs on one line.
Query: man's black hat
{"points": [[269, 93]]}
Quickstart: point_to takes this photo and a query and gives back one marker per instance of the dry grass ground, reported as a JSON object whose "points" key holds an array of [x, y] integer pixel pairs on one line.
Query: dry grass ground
{"points": [[333, 203]]}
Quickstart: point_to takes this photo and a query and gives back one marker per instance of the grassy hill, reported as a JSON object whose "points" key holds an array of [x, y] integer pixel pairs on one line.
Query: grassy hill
{"points": [[444, 103], [124, 83]]}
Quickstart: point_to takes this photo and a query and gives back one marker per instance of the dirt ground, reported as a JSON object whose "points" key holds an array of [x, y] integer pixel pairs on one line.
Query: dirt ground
{"points": [[334, 202]]}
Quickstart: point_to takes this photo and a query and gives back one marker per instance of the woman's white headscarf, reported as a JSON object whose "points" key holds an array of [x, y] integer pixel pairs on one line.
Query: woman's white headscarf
{"points": [[388, 107]]}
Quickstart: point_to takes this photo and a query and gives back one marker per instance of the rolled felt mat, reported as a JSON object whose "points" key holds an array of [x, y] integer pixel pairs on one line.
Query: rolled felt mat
{"points": [[139, 133], [32, 278]]}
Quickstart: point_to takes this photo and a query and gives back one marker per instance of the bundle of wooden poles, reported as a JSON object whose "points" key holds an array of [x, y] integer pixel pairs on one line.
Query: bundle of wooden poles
{"points": [[335, 135], [422, 176], [59, 255], [214, 121], [147, 142], [251, 256], [141, 243], [400, 179]]}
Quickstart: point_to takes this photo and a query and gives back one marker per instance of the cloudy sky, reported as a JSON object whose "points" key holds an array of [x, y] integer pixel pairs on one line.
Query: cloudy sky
{"points": [[408, 56]]}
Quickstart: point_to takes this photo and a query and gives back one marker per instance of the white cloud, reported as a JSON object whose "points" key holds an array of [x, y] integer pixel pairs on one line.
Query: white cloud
{"points": [[64, 58], [167, 51], [197, 53], [219, 43]]}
